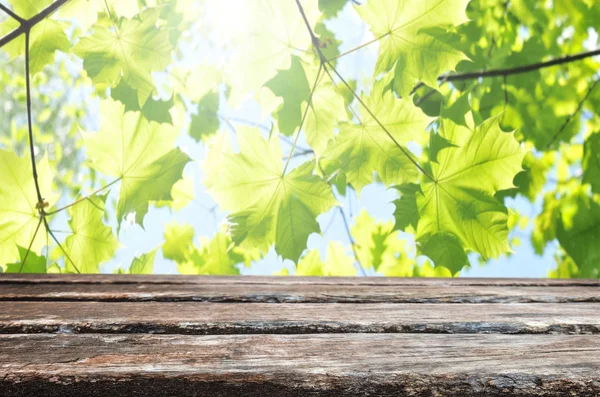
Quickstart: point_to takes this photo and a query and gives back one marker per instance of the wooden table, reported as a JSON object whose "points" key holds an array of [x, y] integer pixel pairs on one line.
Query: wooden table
{"points": [[269, 336]]}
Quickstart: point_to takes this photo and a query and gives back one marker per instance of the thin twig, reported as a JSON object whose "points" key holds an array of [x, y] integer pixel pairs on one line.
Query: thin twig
{"points": [[31, 22], [492, 72], [352, 242], [287, 163], [520, 69], [579, 107], [30, 245], [302, 152], [302, 149], [245, 121], [356, 48], [505, 100], [329, 224], [11, 13], [83, 198], [60, 245], [40, 200], [425, 97], [110, 17]]}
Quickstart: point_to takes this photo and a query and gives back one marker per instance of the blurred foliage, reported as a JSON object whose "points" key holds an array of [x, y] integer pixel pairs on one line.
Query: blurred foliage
{"points": [[115, 84]]}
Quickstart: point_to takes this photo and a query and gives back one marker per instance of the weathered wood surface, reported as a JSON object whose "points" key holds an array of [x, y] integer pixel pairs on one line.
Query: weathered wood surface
{"points": [[258, 318], [301, 365], [268, 336], [217, 290]]}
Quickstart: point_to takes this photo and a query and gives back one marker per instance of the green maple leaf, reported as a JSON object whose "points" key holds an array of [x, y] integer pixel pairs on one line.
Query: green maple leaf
{"points": [[413, 39], [327, 42], [457, 210], [578, 232], [360, 149], [138, 152], [591, 162], [266, 42], [47, 37], [92, 242], [85, 12], [219, 255], [327, 109], [407, 213], [446, 251], [205, 122], [19, 216], [331, 8], [337, 262], [293, 87], [33, 263], [310, 264], [179, 242], [153, 110], [143, 264], [532, 179], [132, 50], [379, 247], [215, 256], [544, 225], [266, 205], [182, 195]]}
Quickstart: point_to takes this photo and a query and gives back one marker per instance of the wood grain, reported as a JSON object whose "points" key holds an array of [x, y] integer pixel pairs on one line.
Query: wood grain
{"points": [[258, 318], [105, 335], [298, 293], [300, 365]]}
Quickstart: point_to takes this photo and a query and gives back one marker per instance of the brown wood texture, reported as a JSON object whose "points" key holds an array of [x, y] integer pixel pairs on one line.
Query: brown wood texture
{"points": [[272, 336], [285, 291], [258, 318], [302, 365]]}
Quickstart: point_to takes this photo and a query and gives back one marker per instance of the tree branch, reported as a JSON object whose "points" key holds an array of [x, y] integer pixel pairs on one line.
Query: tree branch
{"points": [[352, 242], [26, 25], [11, 13], [570, 117], [520, 69]]}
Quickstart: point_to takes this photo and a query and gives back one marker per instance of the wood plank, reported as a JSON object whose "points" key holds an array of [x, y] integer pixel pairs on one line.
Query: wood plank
{"points": [[300, 365], [284, 280], [257, 318], [299, 293]]}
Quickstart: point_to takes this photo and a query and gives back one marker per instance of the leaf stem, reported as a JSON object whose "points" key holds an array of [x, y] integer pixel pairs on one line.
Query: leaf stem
{"points": [[312, 91], [357, 48], [110, 17], [30, 245], [59, 244], [83, 198]]}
